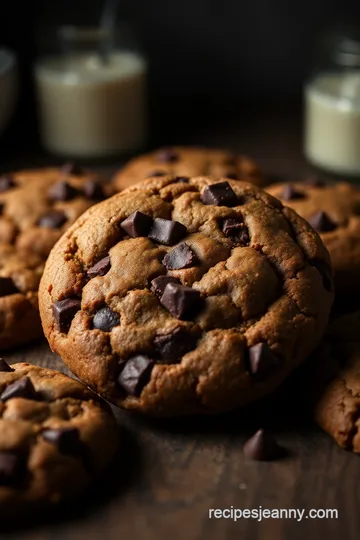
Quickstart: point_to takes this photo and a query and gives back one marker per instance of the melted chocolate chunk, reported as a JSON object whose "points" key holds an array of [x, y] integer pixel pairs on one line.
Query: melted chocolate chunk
{"points": [[62, 191], [4, 366], [158, 284], [237, 231], [106, 319], [263, 447], [182, 256], [321, 222], [100, 268], [290, 193], [93, 190], [54, 219], [180, 301], [167, 155], [71, 169], [137, 224], [263, 362], [67, 440], [23, 388], [10, 468], [172, 347], [135, 374], [7, 287], [64, 311], [220, 194], [6, 183], [166, 231]]}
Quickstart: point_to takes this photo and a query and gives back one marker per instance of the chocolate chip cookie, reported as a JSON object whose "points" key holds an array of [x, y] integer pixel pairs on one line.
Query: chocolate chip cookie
{"points": [[189, 162], [55, 438], [36, 207], [337, 407], [334, 211], [20, 273], [186, 296]]}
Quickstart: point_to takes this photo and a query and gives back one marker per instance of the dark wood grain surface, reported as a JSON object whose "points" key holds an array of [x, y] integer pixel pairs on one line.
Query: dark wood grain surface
{"points": [[168, 474]]}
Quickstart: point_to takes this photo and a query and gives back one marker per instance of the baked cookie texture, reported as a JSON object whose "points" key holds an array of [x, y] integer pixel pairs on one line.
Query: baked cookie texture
{"points": [[55, 438], [191, 296], [189, 161], [36, 207], [337, 408], [334, 211]]}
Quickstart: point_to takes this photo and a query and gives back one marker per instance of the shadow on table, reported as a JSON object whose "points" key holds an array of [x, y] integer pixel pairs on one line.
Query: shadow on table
{"points": [[112, 484]]}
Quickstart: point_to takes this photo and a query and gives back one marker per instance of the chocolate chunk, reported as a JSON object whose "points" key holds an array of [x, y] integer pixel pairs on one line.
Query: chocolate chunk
{"points": [[232, 176], [6, 183], [106, 319], [100, 268], [23, 388], [93, 190], [137, 224], [67, 440], [173, 346], [236, 230], [321, 222], [158, 284], [71, 169], [263, 447], [4, 366], [325, 271], [7, 287], [53, 219], [166, 231], [155, 173], [135, 374], [62, 191], [167, 155], [315, 181], [220, 194], [263, 362], [10, 466], [290, 193], [64, 311], [181, 180], [180, 301], [182, 256]]}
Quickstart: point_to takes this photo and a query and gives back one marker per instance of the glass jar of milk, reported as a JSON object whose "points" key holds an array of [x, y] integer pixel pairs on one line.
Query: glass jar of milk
{"points": [[91, 96], [332, 106]]}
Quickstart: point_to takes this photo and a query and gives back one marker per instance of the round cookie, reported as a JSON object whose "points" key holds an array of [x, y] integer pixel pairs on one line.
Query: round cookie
{"points": [[20, 273], [189, 161], [56, 436], [337, 403], [178, 297], [334, 211], [37, 206]]}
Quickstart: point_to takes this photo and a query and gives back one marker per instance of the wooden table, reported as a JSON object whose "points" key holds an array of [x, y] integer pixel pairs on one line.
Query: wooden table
{"points": [[170, 473]]}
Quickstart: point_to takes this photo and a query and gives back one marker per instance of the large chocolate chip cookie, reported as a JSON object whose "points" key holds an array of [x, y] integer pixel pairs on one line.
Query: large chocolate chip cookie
{"points": [[179, 297]]}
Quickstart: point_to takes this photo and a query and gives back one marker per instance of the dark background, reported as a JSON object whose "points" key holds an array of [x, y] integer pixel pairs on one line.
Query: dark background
{"points": [[209, 60]]}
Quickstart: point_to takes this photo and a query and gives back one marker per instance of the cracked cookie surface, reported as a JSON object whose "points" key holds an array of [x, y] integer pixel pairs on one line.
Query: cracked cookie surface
{"points": [[337, 408], [334, 211], [182, 297], [56, 436], [36, 207], [189, 161]]}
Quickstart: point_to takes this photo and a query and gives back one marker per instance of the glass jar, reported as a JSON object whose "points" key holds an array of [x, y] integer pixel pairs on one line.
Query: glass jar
{"points": [[91, 94], [332, 105]]}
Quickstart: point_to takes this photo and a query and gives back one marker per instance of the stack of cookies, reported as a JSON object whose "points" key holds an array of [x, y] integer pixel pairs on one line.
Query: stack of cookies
{"points": [[191, 290]]}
